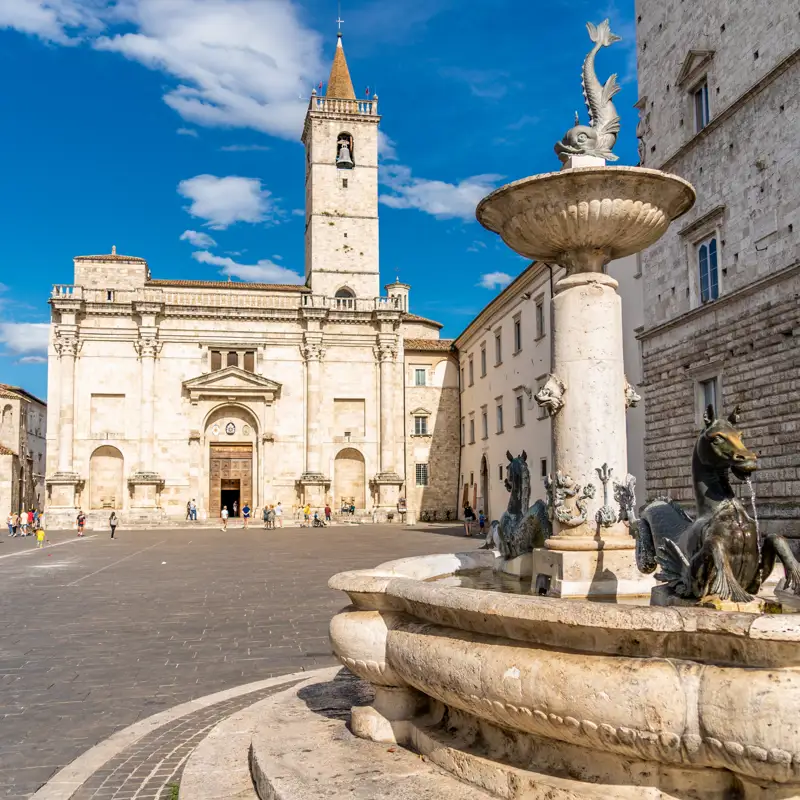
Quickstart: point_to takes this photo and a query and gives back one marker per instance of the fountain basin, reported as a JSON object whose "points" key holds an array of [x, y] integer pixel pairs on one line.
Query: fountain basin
{"points": [[600, 213], [521, 693]]}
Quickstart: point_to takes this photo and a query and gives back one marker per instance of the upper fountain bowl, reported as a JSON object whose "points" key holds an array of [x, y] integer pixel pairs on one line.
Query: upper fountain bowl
{"points": [[583, 218]]}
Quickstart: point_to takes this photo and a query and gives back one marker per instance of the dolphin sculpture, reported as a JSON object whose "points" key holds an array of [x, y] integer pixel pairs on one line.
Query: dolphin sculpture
{"points": [[600, 136]]}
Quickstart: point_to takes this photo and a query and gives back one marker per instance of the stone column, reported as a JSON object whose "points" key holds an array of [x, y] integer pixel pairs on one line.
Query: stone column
{"points": [[313, 479], [590, 551], [387, 480], [146, 482], [67, 348]]}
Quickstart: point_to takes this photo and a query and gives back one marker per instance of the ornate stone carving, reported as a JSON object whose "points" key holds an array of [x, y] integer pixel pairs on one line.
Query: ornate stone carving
{"points": [[606, 515], [599, 137], [563, 488], [632, 397], [147, 346], [643, 129], [67, 345], [625, 497], [551, 395], [313, 351]]}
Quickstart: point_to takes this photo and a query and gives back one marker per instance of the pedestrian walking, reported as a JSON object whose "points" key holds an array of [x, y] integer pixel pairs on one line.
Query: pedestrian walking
{"points": [[224, 517], [482, 523], [265, 517], [188, 510], [113, 521], [306, 515], [81, 520], [193, 510], [469, 518], [279, 515], [246, 514], [12, 523], [235, 508], [327, 512], [23, 522], [40, 537]]}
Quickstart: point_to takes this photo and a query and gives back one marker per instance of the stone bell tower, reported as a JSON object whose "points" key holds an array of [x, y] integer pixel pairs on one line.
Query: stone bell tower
{"points": [[341, 140]]}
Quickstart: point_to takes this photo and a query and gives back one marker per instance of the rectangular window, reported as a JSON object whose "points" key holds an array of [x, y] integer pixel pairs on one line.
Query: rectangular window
{"points": [[485, 423], [700, 102], [707, 267], [540, 319], [500, 471], [463, 382], [500, 416], [233, 359], [422, 474], [471, 371], [517, 334], [483, 359], [110, 295], [420, 426], [344, 183], [420, 376], [519, 411], [472, 431], [498, 347], [250, 361], [708, 395], [463, 431], [543, 468], [216, 360]]}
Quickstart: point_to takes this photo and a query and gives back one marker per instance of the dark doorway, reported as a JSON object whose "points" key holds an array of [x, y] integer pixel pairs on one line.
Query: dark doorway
{"points": [[229, 494]]}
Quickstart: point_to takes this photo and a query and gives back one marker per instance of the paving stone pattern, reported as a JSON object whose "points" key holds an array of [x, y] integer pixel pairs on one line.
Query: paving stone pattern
{"points": [[97, 634]]}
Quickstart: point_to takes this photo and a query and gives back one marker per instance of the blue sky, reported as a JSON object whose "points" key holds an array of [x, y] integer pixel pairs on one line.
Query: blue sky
{"points": [[170, 128]]}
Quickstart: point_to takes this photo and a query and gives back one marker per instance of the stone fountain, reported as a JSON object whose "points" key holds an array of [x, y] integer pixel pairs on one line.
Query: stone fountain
{"points": [[532, 696]]}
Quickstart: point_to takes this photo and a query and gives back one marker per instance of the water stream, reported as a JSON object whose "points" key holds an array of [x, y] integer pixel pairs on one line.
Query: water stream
{"points": [[755, 512]]}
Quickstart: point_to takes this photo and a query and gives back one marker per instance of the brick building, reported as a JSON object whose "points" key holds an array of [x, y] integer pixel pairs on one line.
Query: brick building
{"points": [[719, 106]]}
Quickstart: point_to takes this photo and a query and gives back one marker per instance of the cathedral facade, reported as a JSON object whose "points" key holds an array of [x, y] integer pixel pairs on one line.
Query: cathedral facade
{"points": [[166, 391]]}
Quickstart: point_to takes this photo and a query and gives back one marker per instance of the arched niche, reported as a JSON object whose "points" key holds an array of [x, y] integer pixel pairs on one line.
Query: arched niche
{"points": [[106, 478], [349, 478]]}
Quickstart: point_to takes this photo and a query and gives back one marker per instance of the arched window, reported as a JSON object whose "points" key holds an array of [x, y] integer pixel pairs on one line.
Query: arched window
{"points": [[344, 151], [345, 298], [707, 266]]}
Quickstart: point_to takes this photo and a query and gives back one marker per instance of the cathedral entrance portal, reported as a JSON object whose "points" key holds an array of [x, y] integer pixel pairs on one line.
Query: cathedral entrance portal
{"points": [[230, 478]]}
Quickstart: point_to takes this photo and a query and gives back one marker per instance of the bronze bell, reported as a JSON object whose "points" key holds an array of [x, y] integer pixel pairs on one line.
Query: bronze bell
{"points": [[343, 159]]}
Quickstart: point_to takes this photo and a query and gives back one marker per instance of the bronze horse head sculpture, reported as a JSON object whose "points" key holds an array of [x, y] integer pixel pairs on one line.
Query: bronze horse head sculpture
{"points": [[720, 553], [521, 528]]}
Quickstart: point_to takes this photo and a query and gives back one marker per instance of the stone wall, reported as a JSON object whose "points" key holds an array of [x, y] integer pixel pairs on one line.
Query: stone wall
{"points": [[438, 449], [743, 165], [748, 341]]}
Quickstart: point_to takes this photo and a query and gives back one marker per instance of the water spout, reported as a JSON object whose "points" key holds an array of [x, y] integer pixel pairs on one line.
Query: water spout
{"points": [[755, 512]]}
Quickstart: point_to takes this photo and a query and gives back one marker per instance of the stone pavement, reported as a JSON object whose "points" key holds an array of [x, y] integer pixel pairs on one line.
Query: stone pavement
{"points": [[96, 634]]}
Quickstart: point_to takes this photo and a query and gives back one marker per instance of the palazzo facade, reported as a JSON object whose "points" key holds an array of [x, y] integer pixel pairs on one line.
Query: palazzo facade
{"points": [[164, 391]]}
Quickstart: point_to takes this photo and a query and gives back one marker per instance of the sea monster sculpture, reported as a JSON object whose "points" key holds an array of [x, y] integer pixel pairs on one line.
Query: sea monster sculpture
{"points": [[521, 528], [599, 137], [720, 553]]}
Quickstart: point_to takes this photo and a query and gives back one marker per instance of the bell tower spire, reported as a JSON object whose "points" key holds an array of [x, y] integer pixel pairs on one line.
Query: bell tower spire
{"points": [[341, 139]]}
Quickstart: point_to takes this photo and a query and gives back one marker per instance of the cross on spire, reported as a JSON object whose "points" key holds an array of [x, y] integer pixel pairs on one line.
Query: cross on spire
{"points": [[339, 19]]}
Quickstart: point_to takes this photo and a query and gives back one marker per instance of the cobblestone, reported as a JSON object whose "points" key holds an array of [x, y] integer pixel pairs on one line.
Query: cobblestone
{"points": [[97, 634]]}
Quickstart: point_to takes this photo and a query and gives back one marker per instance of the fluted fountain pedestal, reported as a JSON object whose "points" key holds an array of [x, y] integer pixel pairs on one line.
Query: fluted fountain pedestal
{"points": [[583, 218]]}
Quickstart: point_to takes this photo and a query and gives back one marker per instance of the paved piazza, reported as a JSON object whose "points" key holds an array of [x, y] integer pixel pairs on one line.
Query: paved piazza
{"points": [[99, 634]]}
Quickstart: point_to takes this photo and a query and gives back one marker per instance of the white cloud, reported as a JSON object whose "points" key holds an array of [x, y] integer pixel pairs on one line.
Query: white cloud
{"points": [[386, 147], [264, 271], [491, 84], [24, 337], [187, 132], [243, 148], [59, 21], [239, 63], [476, 246], [198, 239], [33, 360], [235, 63], [222, 202], [495, 280], [438, 198]]}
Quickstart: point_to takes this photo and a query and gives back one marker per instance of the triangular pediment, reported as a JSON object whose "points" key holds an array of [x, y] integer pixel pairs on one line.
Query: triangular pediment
{"points": [[232, 382], [696, 62]]}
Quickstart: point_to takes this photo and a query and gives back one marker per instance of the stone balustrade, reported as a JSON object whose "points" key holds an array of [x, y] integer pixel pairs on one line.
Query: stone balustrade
{"points": [[339, 106]]}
